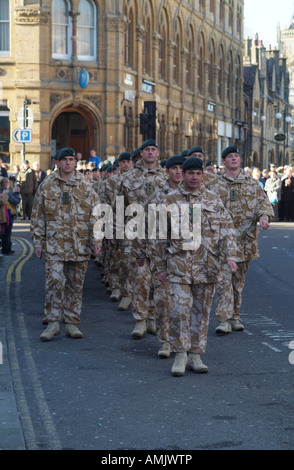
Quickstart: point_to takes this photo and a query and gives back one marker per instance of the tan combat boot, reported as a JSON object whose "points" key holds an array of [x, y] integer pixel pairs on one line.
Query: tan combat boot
{"points": [[151, 326], [224, 328], [115, 295], [195, 364], [72, 331], [179, 365], [164, 350], [124, 303], [236, 325], [52, 330], [139, 330]]}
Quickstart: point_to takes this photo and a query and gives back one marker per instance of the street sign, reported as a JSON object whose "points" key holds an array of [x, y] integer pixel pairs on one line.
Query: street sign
{"points": [[25, 118], [280, 137], [22, 136]]}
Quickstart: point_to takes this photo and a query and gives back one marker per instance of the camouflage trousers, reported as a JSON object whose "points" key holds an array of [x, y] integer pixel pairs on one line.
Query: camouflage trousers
{"points": [[126, 268], [143, 302], [64, 290], [162, 306], [229, 290], [189, 316], [113, 259]]}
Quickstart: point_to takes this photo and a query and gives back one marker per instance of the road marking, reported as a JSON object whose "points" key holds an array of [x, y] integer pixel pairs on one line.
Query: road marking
{"points": [[18, 264], [271, 347], [9, 311]]}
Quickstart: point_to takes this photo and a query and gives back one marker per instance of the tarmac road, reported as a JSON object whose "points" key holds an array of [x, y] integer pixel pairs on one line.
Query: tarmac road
{"points": [[108, 392]]}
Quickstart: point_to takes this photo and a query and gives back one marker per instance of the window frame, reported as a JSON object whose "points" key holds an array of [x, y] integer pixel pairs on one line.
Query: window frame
{"points": [[6, 52], [68, 36], [93, 33]]}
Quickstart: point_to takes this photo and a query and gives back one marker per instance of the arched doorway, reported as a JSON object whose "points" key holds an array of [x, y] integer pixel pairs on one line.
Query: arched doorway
{"points": [[74, 127]]}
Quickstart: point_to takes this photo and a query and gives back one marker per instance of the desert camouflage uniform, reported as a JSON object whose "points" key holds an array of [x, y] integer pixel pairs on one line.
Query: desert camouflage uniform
{"points": [[140, 186], [63, 228], [193, 272], [247, 204], [161, 291]]}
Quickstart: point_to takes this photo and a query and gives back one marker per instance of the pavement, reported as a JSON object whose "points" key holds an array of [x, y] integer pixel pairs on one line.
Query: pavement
{"points": [[11, 434]]}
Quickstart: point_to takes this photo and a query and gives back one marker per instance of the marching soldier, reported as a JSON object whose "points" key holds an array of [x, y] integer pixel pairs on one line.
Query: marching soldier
{"points": [[173, 168], [192, 266], [62, 226], [247, 204], [139, 188]]}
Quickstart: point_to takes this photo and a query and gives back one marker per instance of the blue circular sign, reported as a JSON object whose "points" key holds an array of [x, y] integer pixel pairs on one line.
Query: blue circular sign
{"points": [[83, 78]]}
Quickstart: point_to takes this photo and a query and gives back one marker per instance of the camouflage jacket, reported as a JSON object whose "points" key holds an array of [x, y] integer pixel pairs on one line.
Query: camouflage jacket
{"points": [[247, 204], [140, 187], [195, 260], [62, 221]]}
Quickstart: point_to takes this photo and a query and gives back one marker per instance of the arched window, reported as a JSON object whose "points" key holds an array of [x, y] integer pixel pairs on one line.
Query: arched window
{"points": [[201, 65], [162, 59], [4, 28], [61, 29], [221, 75], [86, 30], [211, 87], [190, 58], [130, 41], [230, 84]]}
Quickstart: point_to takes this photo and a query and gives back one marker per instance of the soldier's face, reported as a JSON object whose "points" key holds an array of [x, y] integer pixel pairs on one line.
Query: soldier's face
{"points": [[125, 165], [175, 173], [149, 154], [232, 161], [193, 179], [67, 165]]}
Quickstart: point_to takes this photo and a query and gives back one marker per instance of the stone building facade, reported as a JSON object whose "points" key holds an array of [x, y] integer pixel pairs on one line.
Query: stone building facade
{"points": [[267, 110], [86, 67]]}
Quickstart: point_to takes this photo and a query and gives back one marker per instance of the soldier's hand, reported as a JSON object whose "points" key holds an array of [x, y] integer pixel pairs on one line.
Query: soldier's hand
{"points": [[264, 224], [97, 249], [140, 262], [38, 252], [233, 266], [162, 277]]}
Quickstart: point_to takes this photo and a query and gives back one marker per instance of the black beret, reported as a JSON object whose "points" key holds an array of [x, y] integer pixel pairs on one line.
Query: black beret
{"points": [[185, 153], [65, 152], [135, 153], [163, 163], [209, 164], [193, 163], [124, 156], [175, 160], [149, 143], [229, 150], [105, 166], [195, 150]]}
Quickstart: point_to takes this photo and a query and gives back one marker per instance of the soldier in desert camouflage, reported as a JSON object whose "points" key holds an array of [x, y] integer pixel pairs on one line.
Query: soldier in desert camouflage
{"points": [[173, 168], [62, 225], [247, 204], [192, 266], [139, 188]]}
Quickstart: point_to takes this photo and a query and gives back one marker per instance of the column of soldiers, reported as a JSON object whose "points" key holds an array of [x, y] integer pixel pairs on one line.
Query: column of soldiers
{"points": [[170, 283]]}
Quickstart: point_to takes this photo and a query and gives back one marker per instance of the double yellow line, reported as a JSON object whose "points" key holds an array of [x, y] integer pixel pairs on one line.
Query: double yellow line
{"points": [[16, 267]]}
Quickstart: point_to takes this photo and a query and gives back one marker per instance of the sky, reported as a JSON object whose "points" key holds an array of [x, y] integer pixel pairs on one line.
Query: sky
{"points": [[262, 17]]}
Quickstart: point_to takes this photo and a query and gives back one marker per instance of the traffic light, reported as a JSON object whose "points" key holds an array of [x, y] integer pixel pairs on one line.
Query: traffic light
{"points": [[148, 120]]}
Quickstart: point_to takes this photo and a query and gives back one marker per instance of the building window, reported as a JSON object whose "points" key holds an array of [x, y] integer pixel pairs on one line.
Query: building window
{"points": [[61, 29], [4, 28], [86, 31]]}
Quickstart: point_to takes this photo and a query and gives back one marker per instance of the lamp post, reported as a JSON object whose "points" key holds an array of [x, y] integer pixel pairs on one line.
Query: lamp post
{"points": [[283, 136]]}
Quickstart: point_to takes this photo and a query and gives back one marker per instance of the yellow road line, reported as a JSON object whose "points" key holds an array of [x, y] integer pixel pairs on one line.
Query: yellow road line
{"points": [[19, 267], [19, 262]]}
